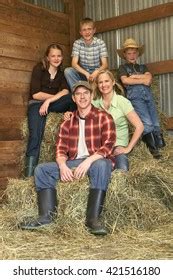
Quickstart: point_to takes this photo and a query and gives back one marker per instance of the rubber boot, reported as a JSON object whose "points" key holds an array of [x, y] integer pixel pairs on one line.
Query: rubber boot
{"points": [[149, 140], [47, 210], [94, 208], [159, 140], [30, 164]]}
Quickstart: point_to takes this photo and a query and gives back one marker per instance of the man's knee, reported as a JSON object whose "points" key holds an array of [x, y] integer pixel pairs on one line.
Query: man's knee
{"points": [[38, 170], [102, 164]]}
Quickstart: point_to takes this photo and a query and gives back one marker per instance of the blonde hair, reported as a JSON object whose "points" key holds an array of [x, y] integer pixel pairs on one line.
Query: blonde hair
{"points": [[118, 88], [87, 21]]}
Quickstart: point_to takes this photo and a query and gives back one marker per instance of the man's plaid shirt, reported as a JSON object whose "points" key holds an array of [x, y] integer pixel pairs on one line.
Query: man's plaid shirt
{"points": [[100, 135]]}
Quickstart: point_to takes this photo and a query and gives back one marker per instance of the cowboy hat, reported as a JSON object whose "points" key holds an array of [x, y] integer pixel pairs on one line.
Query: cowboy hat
{"points": [[130, 43]]}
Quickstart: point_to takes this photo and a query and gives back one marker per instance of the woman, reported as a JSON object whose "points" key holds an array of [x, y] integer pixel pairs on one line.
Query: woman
{"points": [[49, 93], [122, 112]]}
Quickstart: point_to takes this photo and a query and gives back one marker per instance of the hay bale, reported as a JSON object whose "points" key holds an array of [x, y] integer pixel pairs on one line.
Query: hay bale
{"points": [[143, 201], [139, 199], [47, 150]]}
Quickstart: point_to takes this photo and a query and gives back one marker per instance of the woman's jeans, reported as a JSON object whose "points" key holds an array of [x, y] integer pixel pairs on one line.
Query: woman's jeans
{"points": [[36, 123], [47, 174], [122, 162], [142, 100]]}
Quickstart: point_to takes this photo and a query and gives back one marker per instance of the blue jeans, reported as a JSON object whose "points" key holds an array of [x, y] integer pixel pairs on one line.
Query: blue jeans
{"points": [[122, 162], [36, 123], [99, 173], [72, 76], [142, 100]]}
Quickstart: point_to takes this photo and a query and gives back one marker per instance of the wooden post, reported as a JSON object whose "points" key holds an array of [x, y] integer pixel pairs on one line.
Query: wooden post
{"points": [[75, 10]]}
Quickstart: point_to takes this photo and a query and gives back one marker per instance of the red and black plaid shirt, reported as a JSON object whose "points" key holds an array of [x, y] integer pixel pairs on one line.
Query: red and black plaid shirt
{"points": [[100, 135]]}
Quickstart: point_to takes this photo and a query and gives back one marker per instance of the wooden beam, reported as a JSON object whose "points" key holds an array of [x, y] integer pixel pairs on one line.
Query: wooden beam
{"points": [[75, 10], [161, 67], [169, 125], [141, 16]]}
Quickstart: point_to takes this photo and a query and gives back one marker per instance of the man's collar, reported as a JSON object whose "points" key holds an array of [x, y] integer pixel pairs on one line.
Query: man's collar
{"points": [[90, 115]]}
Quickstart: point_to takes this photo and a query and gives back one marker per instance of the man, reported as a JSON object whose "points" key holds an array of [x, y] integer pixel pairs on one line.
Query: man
{"points": [[89, 55], [85, 143]]}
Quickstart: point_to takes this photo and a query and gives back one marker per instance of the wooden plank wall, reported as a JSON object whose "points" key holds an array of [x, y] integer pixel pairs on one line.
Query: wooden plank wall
{"points": [[25, 32]]}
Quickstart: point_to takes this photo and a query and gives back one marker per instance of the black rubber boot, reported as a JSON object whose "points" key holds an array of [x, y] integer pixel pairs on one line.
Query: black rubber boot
{"points": [[30, 164], [159, 140], [47, 210], [150, 142], [94, 208]]}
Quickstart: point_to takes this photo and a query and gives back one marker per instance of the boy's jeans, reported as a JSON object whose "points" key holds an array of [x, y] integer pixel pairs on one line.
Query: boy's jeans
{"points": [[73, 76], [142, 100]]}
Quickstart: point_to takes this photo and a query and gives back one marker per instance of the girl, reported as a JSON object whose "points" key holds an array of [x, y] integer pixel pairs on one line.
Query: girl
{"points": [[49, 93]]}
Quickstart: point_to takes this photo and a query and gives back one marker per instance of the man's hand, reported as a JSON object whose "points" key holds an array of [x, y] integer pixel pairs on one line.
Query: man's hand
{"points": [[82, 168], [66, 173]]}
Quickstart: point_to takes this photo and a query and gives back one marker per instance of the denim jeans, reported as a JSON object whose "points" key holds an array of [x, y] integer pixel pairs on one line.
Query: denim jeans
{"points": [[142, 100], [122, 162], [73, 76], [47, 174], [36, 123]]}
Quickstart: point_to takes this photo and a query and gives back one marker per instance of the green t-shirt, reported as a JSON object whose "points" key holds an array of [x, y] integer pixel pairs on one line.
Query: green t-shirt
{"points": [[120, 107]]}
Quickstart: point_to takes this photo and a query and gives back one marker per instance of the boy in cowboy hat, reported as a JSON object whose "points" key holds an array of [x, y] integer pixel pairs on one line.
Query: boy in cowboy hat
{"points": [[137, 81]]}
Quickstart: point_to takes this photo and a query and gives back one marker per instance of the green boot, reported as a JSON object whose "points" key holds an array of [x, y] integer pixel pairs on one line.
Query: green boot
{"points": [[30, 164], [94, 208]]}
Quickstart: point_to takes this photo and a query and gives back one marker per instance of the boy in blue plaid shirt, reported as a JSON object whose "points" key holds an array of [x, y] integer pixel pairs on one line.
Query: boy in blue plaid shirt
{"points": [[89, 55]]}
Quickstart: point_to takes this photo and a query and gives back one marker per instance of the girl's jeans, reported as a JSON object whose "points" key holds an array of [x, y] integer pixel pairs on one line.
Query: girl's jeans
{"points": [[36, 123]]}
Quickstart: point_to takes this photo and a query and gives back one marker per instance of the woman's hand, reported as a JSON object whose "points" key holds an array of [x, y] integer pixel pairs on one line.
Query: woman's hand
{"points": [[121, 150], [67, 115]]}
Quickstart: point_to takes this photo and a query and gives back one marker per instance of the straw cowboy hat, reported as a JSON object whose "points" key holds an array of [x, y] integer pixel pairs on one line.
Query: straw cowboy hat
{"points": [[130, 43]]}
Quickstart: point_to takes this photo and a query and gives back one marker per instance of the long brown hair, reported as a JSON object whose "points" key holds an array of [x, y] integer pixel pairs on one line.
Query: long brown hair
{"points": [[118, 88], [45, 61]]}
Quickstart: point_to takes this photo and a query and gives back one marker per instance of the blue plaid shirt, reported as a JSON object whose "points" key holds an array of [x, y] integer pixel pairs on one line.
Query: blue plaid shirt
{"points": [[89, 55]]}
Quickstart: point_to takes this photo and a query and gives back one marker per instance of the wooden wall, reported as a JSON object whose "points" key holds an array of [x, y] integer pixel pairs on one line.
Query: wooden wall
{"points": [[25, 32]]}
